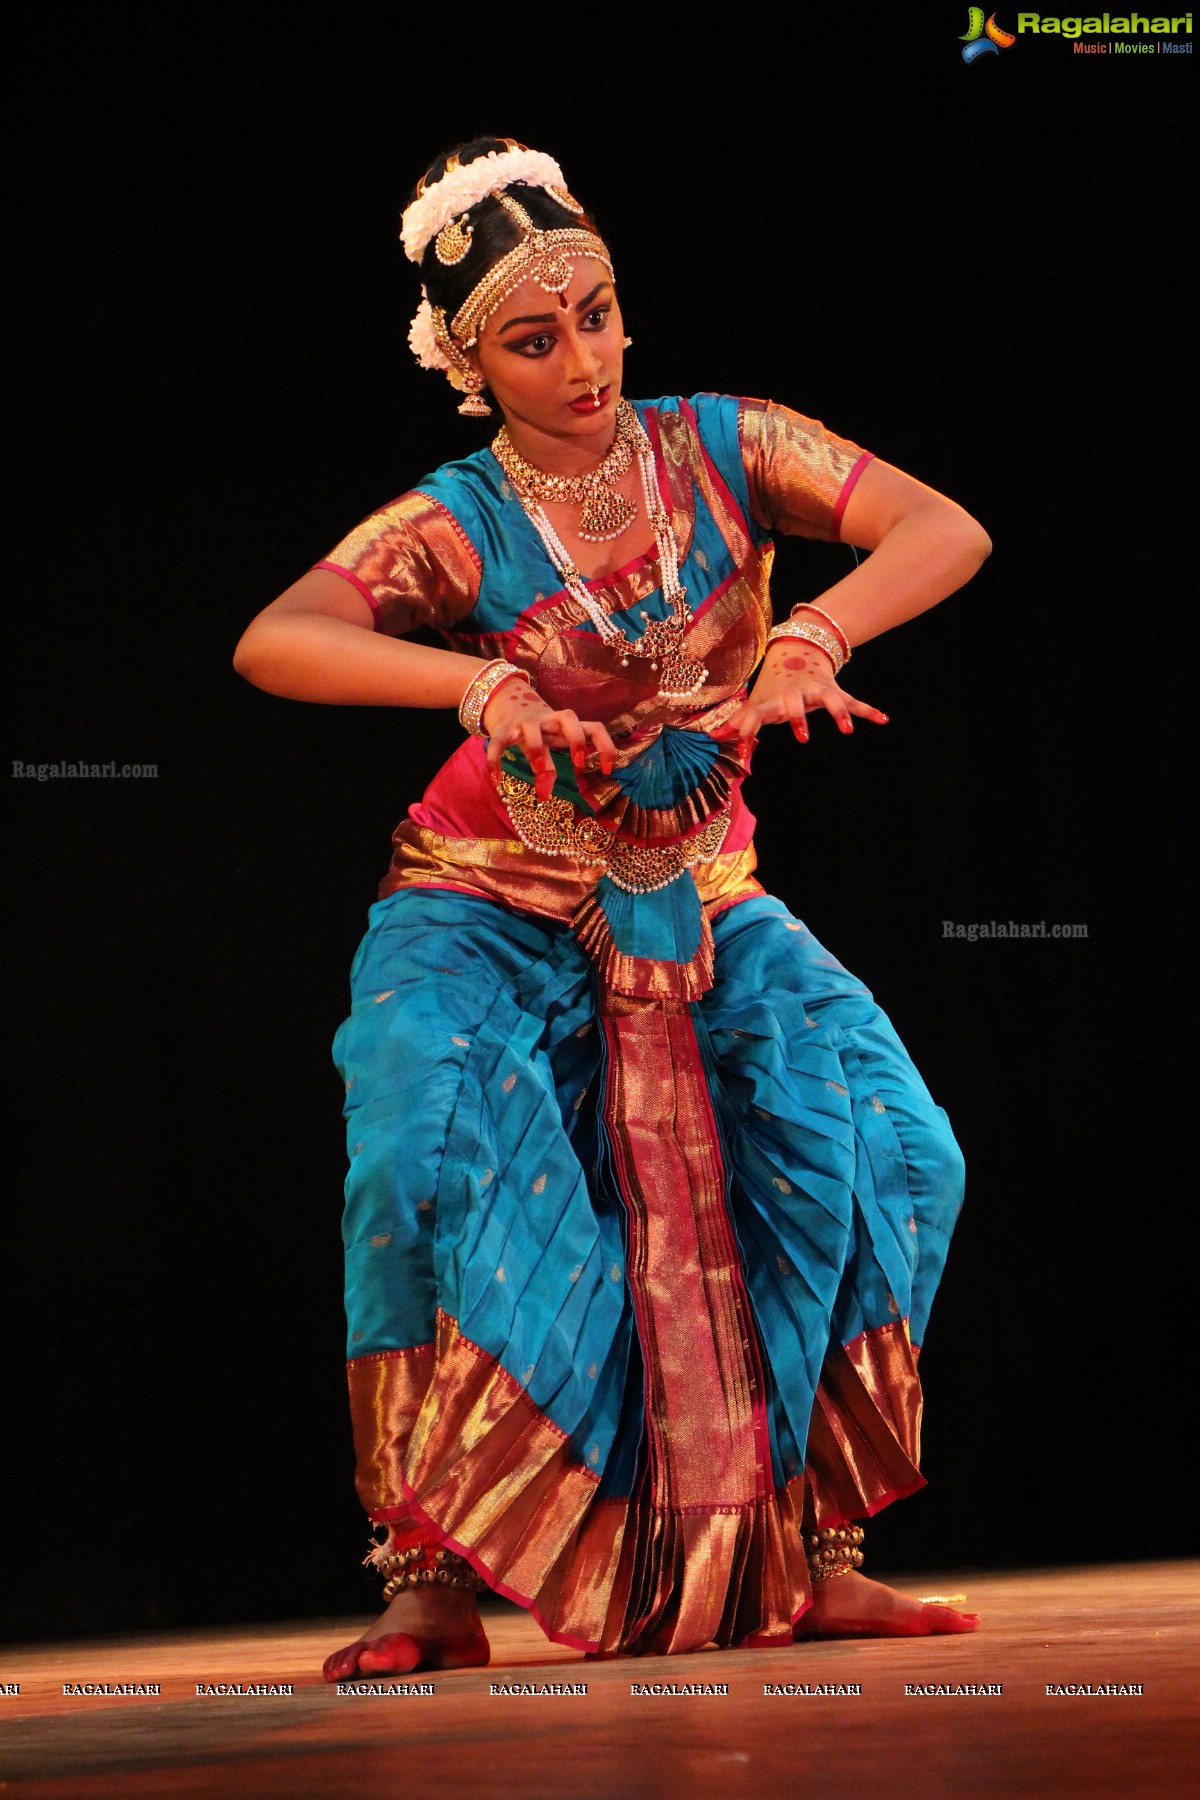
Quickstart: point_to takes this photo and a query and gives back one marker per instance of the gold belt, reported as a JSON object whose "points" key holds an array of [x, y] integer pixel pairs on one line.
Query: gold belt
{"points": [[555, 828]]}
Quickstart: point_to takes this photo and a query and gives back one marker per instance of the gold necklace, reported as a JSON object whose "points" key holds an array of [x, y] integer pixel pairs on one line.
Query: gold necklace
{"points": [[662, 642], [606, 513]]}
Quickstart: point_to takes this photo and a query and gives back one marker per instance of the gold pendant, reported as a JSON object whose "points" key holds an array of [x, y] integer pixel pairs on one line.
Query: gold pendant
{"points": [[661, 644], [605, 514], [554, 273]]}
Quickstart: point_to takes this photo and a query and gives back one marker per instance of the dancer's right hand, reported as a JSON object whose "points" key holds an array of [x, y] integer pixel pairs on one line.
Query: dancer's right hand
{"points": [[517, 714]]}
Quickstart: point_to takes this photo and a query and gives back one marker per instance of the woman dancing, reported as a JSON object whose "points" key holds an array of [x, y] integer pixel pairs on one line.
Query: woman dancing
{"points": [[646, 1202]]}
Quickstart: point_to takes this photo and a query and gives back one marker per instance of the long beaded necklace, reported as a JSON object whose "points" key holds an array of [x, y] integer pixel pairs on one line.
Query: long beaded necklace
{"points": [[662, 641]]}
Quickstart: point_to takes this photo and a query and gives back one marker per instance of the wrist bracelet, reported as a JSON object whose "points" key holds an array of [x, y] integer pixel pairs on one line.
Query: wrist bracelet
{"points": [[481, 689], [843, 640], [810, 634]]}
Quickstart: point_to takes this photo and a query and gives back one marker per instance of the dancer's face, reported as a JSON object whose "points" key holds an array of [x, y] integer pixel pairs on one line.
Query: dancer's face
{"points": [[542, 354]]}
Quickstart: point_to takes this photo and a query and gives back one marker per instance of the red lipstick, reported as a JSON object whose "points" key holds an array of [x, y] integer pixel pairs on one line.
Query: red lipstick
{"points": [[591, 403]]}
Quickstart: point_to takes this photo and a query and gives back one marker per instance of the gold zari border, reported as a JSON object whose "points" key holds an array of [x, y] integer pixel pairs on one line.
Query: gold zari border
{"points": [[443, 1431], [553, 887]]}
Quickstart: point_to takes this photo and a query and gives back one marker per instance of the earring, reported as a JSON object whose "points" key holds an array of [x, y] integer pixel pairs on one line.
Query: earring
{"points": [[475, 406], [459, 372], [628, 342]]}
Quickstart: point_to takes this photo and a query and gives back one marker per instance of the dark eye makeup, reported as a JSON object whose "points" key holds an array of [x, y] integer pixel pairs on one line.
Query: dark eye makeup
{"points": [[540, 343]]}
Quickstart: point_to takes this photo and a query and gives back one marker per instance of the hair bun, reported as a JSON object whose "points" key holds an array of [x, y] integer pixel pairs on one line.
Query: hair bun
{"points": [[459, 188]]}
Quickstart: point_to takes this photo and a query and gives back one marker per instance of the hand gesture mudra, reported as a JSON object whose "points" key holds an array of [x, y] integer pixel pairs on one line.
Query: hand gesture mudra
{"points": [[516, 714], [795, 679]]}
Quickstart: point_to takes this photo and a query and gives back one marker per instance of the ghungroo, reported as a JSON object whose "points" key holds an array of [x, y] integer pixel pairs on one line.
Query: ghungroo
{"points": [[412, 1561], [834, 1550]]}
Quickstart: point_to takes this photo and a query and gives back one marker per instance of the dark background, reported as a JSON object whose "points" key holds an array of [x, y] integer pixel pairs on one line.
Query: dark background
{"points": [[973, 271]]}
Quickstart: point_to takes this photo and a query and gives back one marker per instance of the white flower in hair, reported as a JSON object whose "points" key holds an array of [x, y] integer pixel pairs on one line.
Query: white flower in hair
{"points": [[459, 189], [422, 339]]}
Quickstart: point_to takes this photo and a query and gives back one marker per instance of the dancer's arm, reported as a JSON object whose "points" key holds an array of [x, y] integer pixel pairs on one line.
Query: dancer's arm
{"points": [[317, 642], [923, 547]]}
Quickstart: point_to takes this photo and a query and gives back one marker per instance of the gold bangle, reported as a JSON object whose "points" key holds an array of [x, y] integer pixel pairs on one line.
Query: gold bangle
{"points": [[808, 606], [480, 690], [810, 634]]}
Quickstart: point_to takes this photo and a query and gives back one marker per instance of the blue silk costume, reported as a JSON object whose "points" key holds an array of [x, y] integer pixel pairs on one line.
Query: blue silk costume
{"points": [[647, 1204]]}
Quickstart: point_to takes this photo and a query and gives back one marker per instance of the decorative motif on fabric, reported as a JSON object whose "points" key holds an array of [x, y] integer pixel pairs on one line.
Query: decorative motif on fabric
{"points": [[413, 563], [799, 475], [621, 971], [487, 1475], [677, 783], [698, 1566]]}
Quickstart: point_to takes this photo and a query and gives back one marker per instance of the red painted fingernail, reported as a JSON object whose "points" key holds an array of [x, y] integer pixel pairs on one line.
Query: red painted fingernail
{"points": [[883, 718]]}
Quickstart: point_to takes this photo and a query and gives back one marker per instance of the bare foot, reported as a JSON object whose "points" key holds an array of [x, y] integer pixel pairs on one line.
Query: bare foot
{"points": [[428, 1627], [855, 1606]]}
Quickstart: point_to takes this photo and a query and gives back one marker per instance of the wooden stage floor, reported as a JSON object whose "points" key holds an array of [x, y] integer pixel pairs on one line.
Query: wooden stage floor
{"points": [[1123, 1626]]}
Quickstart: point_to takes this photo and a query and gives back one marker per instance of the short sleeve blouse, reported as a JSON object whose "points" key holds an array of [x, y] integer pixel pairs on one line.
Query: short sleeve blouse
{"points": [[416, 564]]}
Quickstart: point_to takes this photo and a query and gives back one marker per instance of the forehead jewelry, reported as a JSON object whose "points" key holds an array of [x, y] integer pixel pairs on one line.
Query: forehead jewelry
{"points": [[541, 256]]}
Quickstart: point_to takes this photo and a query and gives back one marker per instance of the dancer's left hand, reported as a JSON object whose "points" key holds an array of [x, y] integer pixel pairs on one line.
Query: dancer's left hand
{"points": [[795, 679]]}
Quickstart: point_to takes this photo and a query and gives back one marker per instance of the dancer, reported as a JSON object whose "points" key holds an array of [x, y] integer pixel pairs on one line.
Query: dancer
{"points": [[646, 1202]]}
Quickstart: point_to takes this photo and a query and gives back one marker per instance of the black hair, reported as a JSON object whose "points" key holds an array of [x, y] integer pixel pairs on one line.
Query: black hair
{"points": [[493, 231]]}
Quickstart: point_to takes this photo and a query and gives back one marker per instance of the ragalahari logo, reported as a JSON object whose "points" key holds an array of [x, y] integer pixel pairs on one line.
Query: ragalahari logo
{"points": [[983, 39]]}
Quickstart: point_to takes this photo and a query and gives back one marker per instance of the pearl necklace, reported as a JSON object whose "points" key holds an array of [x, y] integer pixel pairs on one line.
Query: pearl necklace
{"points": [[662, 641]]}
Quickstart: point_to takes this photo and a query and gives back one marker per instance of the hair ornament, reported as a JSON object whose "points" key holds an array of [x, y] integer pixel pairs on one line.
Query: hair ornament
{"points": [[541, 256], [565, 199], [461, 188], [552, 272], [439, 215], [423, 337], [453, 241]]}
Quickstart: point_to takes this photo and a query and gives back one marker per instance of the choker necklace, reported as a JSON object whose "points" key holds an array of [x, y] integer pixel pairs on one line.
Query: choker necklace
{"points": [[662, 640], [606, 514]]}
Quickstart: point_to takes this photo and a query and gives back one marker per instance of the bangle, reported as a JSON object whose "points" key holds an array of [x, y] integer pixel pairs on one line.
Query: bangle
{"points": [[481, 689], [811, 634], [843, 640]]}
